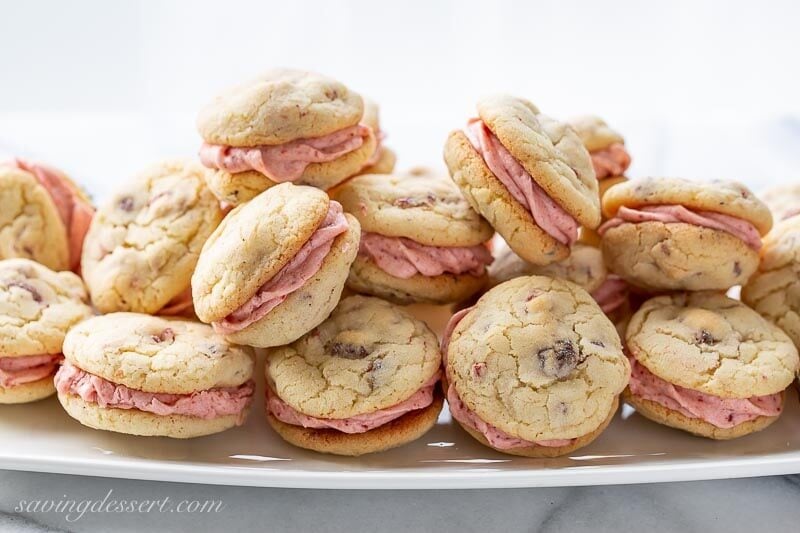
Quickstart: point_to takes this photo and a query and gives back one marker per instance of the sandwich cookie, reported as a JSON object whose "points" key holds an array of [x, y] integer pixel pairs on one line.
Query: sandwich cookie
{"points": [[782, 200], [144, 242], [37, 307], [364, 381], [153, 376], [284, 126], [275, 268], [774, 290], [43, 215], [529, 175], [676, 234], [534, 368], [708, 364], [584, 267], [383, 159], [421, 240], [610, 158]]}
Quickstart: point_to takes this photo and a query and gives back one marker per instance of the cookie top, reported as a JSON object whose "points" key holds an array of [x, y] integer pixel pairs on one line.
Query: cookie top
{"points": [[143, 244], [726, 197], [537, 358], [710, 343], [157, 354], [595, 133], [279, 106], [550, 151], [782, 200], [584, 267], [371, 115], [252, 244], [368, 355], [424, 208], [774, 290], [30, 225], [37, 307]]}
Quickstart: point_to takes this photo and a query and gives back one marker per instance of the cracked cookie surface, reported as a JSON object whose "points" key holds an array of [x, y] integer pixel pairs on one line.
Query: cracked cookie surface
{"points": [[425, 208], [774, 290], [144, 243], [252, 244], [156, 354], [368, 355], [710, 343], [782, 200], [30, 225], [549, 150], [538, 359], [279, 106], [584, 267], [37, 307], [594, 133], [677, 256]]}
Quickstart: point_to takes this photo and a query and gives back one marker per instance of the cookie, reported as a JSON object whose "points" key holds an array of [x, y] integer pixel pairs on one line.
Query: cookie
{"points": [[708, 364], [154, 376], [43, 215], [421, 241], [584, 267], [783, 200], [365, 380], [527, 174], [535, 367], [37, 307], [774, 290], [383, 159], [676, 234], [275, 267], [287, 125], [144, 242], [606, 147]]}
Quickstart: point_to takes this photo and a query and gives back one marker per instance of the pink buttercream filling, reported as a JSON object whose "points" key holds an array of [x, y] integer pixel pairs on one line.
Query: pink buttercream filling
{"points": [[496, 437], [404, 258], [291, 277], [720, 412], [354, 424], [611, 294], [288, 161], [611, 161], [75, 213], [677, 213], [547, 214], [26, 369], [376, 155], [205, 404]]}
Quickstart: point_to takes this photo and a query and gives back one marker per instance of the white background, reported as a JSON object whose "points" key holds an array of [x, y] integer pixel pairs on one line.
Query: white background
{"points": [[699, 89]]}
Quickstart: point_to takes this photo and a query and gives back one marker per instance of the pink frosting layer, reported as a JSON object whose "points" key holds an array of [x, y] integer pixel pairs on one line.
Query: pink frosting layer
{"points": [[720, 412], [496, 437], [403, 258], [611, 294], [355, 424], [288, 161], [677, 213], [205, 404], [291, 277], [376, 155], [611, 161], [26, 369], [75, 213], [547, 214]]}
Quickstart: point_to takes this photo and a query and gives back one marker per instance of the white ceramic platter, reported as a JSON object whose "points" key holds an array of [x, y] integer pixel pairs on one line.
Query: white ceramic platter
{"points": [[41, 437]]}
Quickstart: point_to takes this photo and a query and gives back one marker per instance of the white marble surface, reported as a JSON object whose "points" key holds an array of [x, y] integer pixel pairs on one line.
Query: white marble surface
{"points": [[758, 504]]}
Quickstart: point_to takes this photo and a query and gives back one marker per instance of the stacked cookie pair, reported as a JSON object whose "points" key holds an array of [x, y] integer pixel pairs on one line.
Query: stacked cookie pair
{"points": [[702, 361]]}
